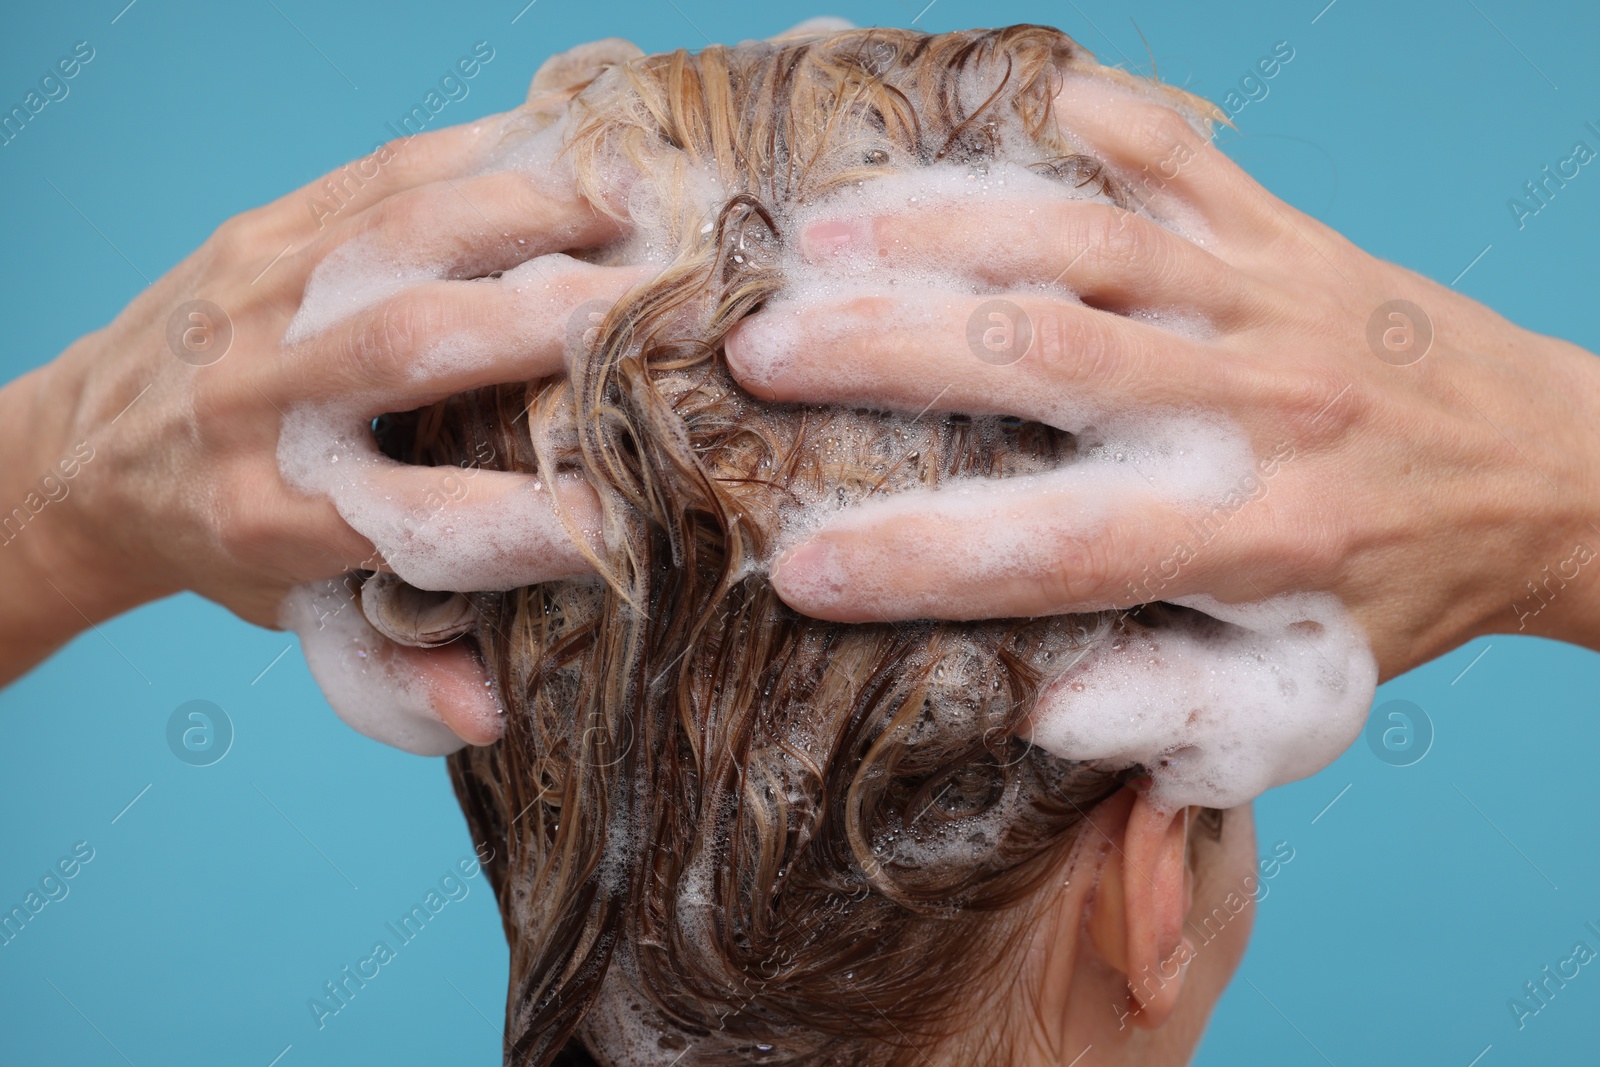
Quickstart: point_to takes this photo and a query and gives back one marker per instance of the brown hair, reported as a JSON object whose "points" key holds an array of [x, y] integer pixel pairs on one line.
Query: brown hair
{"points": [[723, 832]]}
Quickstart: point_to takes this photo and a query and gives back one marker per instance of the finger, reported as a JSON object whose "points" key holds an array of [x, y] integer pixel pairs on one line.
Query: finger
{"points": [[471, 530], [816, 26], [402, 163], [1029, 356], [579, 65], [458, 528], [442, 338], [1049, 546], [1167, 164], [1109, 257], [425, 701], [455, 228]]}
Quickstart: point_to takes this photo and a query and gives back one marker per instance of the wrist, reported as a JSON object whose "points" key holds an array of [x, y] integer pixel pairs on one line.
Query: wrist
{"points": [[53, 578], [1558, 596]]}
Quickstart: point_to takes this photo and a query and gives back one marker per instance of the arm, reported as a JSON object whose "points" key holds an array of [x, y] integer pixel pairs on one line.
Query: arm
{"points": [[143, 461]]}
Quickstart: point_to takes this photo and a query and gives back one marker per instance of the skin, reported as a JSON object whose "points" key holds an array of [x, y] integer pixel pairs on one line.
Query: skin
{"points": [[176, 482], [1138, 895], [1427, 496]]}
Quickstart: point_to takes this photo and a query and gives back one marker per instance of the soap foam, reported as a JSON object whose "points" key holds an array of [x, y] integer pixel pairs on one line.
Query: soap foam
{"points": [[1219, 705], [929, 292], [1176, 464], [353, 277], [472, 530], [449, 540], [358, 673]]}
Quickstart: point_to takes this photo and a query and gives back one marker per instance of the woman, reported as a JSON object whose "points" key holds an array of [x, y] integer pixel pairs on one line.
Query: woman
{"points": [[724, 832]]}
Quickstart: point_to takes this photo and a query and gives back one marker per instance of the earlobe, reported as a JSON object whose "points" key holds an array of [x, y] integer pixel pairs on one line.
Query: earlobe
{"points": [[1142, 902]]}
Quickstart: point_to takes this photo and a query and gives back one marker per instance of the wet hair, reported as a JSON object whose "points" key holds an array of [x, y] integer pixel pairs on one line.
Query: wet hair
{"points": [[723, 832]]}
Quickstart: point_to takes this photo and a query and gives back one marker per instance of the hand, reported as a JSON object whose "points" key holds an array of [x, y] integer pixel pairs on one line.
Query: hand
{"points": [[1442, 482], [143, 461]]}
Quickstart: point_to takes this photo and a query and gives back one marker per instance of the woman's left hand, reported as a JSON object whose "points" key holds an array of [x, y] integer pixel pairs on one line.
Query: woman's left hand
{"points": [[1418, 456]]}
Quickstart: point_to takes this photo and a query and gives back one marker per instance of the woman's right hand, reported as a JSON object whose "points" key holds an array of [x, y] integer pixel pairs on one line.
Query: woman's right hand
{"points": [[144, 460]]}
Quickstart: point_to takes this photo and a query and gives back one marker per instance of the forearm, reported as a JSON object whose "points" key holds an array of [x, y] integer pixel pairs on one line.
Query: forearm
{"points": [[45, 597], [1556, 594]]}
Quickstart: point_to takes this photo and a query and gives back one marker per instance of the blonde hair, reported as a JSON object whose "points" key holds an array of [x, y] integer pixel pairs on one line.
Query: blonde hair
{"points": [[724, 832]]}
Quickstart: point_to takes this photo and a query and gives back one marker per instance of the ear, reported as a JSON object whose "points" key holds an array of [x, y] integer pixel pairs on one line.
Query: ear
{"points": [[1142, 901], [425, 700]]}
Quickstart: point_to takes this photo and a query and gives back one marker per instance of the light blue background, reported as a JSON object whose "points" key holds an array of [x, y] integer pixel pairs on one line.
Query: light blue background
{"points": [[221, 901]]}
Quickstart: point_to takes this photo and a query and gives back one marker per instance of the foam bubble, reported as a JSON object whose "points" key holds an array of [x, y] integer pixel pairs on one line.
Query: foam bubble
{"points": [[1220, 704], [358, 673], [1182, 462], [353, 277], [509, 535]]}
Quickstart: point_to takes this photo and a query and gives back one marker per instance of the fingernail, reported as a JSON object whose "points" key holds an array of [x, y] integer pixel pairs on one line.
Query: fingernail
{"points": [[756, 353], [809, 576], [828, 238], [736, 350]]}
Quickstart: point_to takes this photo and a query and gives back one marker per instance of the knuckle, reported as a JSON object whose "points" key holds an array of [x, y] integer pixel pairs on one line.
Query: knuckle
{"points": [[1104, 243], [1075, 348], [397, 159], [401, 214], [1080, 572], [860, 325], [394, 150], [867, 309], [892, 235], [1084, 230], [1158, 133], [1123, 243], [382, 344], [241, 237], [1320, 405]]}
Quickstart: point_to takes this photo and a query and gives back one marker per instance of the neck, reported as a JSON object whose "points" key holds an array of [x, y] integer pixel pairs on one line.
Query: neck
{"points": [[1065, 1006]]}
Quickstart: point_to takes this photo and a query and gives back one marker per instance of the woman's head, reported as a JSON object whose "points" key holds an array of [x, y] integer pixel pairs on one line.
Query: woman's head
{"points": [[726, 833]]}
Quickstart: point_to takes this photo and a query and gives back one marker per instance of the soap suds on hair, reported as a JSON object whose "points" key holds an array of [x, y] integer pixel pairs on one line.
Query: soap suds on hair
{"points": [[464, 530], [457, 537], [1218, 702], [355, 667], [1221, 702]]}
